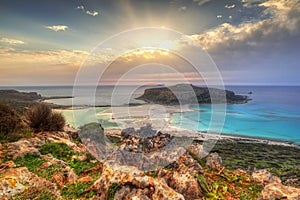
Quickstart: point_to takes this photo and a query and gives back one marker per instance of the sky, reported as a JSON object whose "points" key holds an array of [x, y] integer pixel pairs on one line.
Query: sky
{"points": [[251, 42]]}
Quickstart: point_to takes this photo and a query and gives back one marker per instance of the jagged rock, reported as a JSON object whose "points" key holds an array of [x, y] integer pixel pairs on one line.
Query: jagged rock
{"points": [[214, 161], [182, 182], [264, 177], [17, 180], [7, 165], [23, 147], [127, 175], [197, 151], [1, 152], [276, 190]]}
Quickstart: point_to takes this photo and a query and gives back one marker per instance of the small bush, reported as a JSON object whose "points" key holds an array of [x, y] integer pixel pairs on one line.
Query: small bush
{"points": [[9, 121], [41, 118]]}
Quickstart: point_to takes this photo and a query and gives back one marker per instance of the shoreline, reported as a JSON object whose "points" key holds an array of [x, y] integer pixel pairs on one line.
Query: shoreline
{"points": [[181, 132]]}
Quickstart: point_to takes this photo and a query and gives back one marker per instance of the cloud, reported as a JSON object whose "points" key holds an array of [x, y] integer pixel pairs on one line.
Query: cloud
{"points": [[284, 22], [11, 41], [93, 13], [201, 2], [81, 7], [182, 8], [219, 16], [57, 28], [230, 6]]}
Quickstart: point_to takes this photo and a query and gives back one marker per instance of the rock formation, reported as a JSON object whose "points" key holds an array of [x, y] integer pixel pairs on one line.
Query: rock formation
{"points": [[190, 94]]}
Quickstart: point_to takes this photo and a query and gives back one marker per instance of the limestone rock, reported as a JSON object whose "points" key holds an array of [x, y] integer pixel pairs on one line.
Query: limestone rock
{"points": [[264, 177], [197, 151], [213, 160], [127, 175], [17, 180], [182, 182], [276, 190], [23, 147]]}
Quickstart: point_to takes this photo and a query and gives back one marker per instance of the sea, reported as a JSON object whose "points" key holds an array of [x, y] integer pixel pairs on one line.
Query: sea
{"points": [[273, 112]]}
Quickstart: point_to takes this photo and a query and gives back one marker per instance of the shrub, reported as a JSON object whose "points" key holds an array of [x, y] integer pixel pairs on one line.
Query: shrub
{"points": [[9, 120], [42, 118]]}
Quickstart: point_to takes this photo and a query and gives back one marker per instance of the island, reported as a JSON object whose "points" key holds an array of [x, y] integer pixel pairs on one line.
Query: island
{"points": [[186, 93]]}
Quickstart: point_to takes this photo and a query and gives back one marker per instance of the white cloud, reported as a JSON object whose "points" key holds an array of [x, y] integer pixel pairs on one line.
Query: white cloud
{"points": [[182, 8], [93, 13], [11, 41], [219, 16], [57, 28], [230, 6], [201, 2], [81, 7]]}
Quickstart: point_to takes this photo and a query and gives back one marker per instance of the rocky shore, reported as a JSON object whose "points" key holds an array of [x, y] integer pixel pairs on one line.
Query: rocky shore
{"points": [[57, 165]]}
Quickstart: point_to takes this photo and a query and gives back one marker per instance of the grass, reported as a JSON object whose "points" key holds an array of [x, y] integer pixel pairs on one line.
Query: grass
{"points": [[32, 162], [81, 166], [227, 184], [58, 150]]}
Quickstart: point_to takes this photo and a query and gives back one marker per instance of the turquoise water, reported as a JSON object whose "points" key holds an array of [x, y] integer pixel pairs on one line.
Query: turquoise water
{"points": [[273, 113]]}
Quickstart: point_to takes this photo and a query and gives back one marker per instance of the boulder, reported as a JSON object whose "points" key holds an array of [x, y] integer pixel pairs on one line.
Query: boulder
{"points": [[276, 190], [214, 161], [197, 151], [264, 177]]}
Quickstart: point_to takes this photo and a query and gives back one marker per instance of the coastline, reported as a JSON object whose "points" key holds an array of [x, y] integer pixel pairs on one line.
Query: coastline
{"points": [[139, 119]]}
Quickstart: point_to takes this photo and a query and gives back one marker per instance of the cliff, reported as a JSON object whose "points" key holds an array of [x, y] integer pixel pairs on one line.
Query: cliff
{"points": [[185, 94]]}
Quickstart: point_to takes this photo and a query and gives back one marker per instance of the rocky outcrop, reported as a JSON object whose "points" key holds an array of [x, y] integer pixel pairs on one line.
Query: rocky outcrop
{"points": [[23, 147], [134, 181], [17, 180], [214, 161], [180, 177], [190, 94], [143, 140], [278, 191]]}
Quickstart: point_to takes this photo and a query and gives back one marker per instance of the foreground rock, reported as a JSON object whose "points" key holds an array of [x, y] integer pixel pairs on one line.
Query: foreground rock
{"points": [[273, 188], [190, 94], [17, 180], [135, 184]]}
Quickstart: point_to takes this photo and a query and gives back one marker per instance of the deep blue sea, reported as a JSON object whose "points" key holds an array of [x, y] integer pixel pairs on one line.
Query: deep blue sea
{"points": [[273, 112]]}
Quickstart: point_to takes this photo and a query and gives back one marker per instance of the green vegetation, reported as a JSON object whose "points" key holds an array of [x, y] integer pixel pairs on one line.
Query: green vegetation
{"points": [[281, 161], [81, 166], [112, 190], [42, 118], [58, 150], [32, 162], [77, 190], [227, 184]]}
